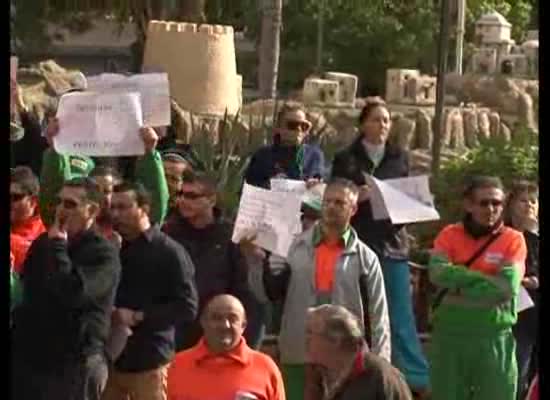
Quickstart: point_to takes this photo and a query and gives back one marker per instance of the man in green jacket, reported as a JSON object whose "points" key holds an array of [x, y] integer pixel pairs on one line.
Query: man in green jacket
{"points": [[58, 168], [478, 264]]}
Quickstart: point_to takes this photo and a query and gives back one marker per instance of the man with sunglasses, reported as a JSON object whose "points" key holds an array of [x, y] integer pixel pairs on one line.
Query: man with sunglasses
{"points": [[288, 156], [478, 264], [62, 323], [25, 222], [198, 226]]}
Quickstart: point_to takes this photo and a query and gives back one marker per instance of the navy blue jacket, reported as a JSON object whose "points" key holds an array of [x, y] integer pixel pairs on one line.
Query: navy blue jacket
{"points": [[273, 160]]}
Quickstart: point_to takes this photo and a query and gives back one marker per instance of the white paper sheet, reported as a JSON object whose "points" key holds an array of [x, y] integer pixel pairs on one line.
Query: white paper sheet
{"points": [[524, 300], [154, 89], [403, 200], [101, 125], [271, 215], [288, 185]]}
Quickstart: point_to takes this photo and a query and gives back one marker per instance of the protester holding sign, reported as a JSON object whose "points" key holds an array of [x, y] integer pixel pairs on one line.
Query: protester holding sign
{"points": [[371, 154], [327, 264], [149, 171], [478, 264], [288, 156]]}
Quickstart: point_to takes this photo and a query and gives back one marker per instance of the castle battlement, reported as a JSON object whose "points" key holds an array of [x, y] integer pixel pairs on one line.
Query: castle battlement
{"points": [[201, 64]]}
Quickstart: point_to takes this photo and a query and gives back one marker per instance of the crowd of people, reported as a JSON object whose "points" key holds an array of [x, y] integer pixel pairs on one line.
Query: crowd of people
{"points": [[126, 284]]}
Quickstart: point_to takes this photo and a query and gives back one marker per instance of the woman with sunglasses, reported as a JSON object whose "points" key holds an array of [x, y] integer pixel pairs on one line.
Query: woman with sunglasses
{"points": [[371, 154], [521, 213], [289, 156]]}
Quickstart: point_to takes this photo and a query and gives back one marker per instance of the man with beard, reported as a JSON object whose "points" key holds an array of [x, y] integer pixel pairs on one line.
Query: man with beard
{"points": [[221, 365], [478, 264]]}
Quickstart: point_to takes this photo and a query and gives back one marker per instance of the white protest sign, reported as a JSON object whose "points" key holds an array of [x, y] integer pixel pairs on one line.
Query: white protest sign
{"points": [[272, 216], [524, 300], [314, 193], [103, 125], [154, 90], [402, 200], [288, 185]]}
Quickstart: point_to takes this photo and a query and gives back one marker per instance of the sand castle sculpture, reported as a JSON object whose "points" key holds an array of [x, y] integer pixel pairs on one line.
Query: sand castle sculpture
{"points": [[201, 63]]}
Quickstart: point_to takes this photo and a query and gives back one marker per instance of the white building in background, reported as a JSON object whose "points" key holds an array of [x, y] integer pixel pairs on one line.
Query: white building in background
{"points": [[497, 50]]}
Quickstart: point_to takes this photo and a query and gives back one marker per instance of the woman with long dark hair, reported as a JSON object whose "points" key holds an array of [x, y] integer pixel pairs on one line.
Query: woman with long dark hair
{"points": [[371, 154]]}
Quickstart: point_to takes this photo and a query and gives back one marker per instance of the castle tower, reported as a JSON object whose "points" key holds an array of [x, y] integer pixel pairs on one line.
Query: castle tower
{"points": [[200, 62]]}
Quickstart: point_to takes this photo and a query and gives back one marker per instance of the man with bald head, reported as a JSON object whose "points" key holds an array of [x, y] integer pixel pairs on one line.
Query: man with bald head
{"points": [[221, 365]]}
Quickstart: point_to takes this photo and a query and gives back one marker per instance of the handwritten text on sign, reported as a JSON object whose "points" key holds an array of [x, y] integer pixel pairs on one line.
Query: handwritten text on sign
{"points": [[102, 125], [153, 88], [272, 216]]}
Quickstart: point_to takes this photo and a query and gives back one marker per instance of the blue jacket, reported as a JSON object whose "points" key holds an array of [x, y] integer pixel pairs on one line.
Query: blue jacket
{"points": [[273, 160]]}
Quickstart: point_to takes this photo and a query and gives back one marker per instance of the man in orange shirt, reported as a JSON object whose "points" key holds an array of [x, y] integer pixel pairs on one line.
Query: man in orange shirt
{"points": [[221, 366], [26, 224], [478, 264]]}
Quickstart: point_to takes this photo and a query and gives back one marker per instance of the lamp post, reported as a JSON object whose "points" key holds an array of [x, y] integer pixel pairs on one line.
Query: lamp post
{"points": [[443, 49], [461, 11]]}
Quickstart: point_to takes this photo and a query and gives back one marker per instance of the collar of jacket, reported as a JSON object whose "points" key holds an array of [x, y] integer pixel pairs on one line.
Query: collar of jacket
{"points": [[318, 235], [240, 353], [358, 149], [307, 238]]}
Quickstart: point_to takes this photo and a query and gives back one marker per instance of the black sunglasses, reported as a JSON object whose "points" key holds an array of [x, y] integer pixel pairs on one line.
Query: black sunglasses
{"points": [[294, 125], [488, 202], [191, 195]]}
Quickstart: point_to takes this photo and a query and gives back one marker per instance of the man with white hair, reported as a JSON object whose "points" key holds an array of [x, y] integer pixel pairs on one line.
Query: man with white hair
{"points": [[343, 366]]}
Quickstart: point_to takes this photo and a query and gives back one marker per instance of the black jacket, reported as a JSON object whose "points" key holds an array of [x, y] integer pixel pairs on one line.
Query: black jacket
{"points": [[385, 239], [377, 379], [158, 279], [220, 269], [269, 161], [67, 302]]}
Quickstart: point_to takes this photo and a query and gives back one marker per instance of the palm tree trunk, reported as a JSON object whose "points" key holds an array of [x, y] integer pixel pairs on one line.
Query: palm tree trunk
{"points": [[270, 37]]}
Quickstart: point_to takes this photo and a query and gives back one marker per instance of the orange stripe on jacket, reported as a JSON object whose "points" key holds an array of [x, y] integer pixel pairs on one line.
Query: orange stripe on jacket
{"points": [[459, 247]]}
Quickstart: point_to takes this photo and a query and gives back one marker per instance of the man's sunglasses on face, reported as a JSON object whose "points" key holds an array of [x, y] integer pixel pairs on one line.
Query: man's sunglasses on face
{"points": [[191, 195], [295, 125]]}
